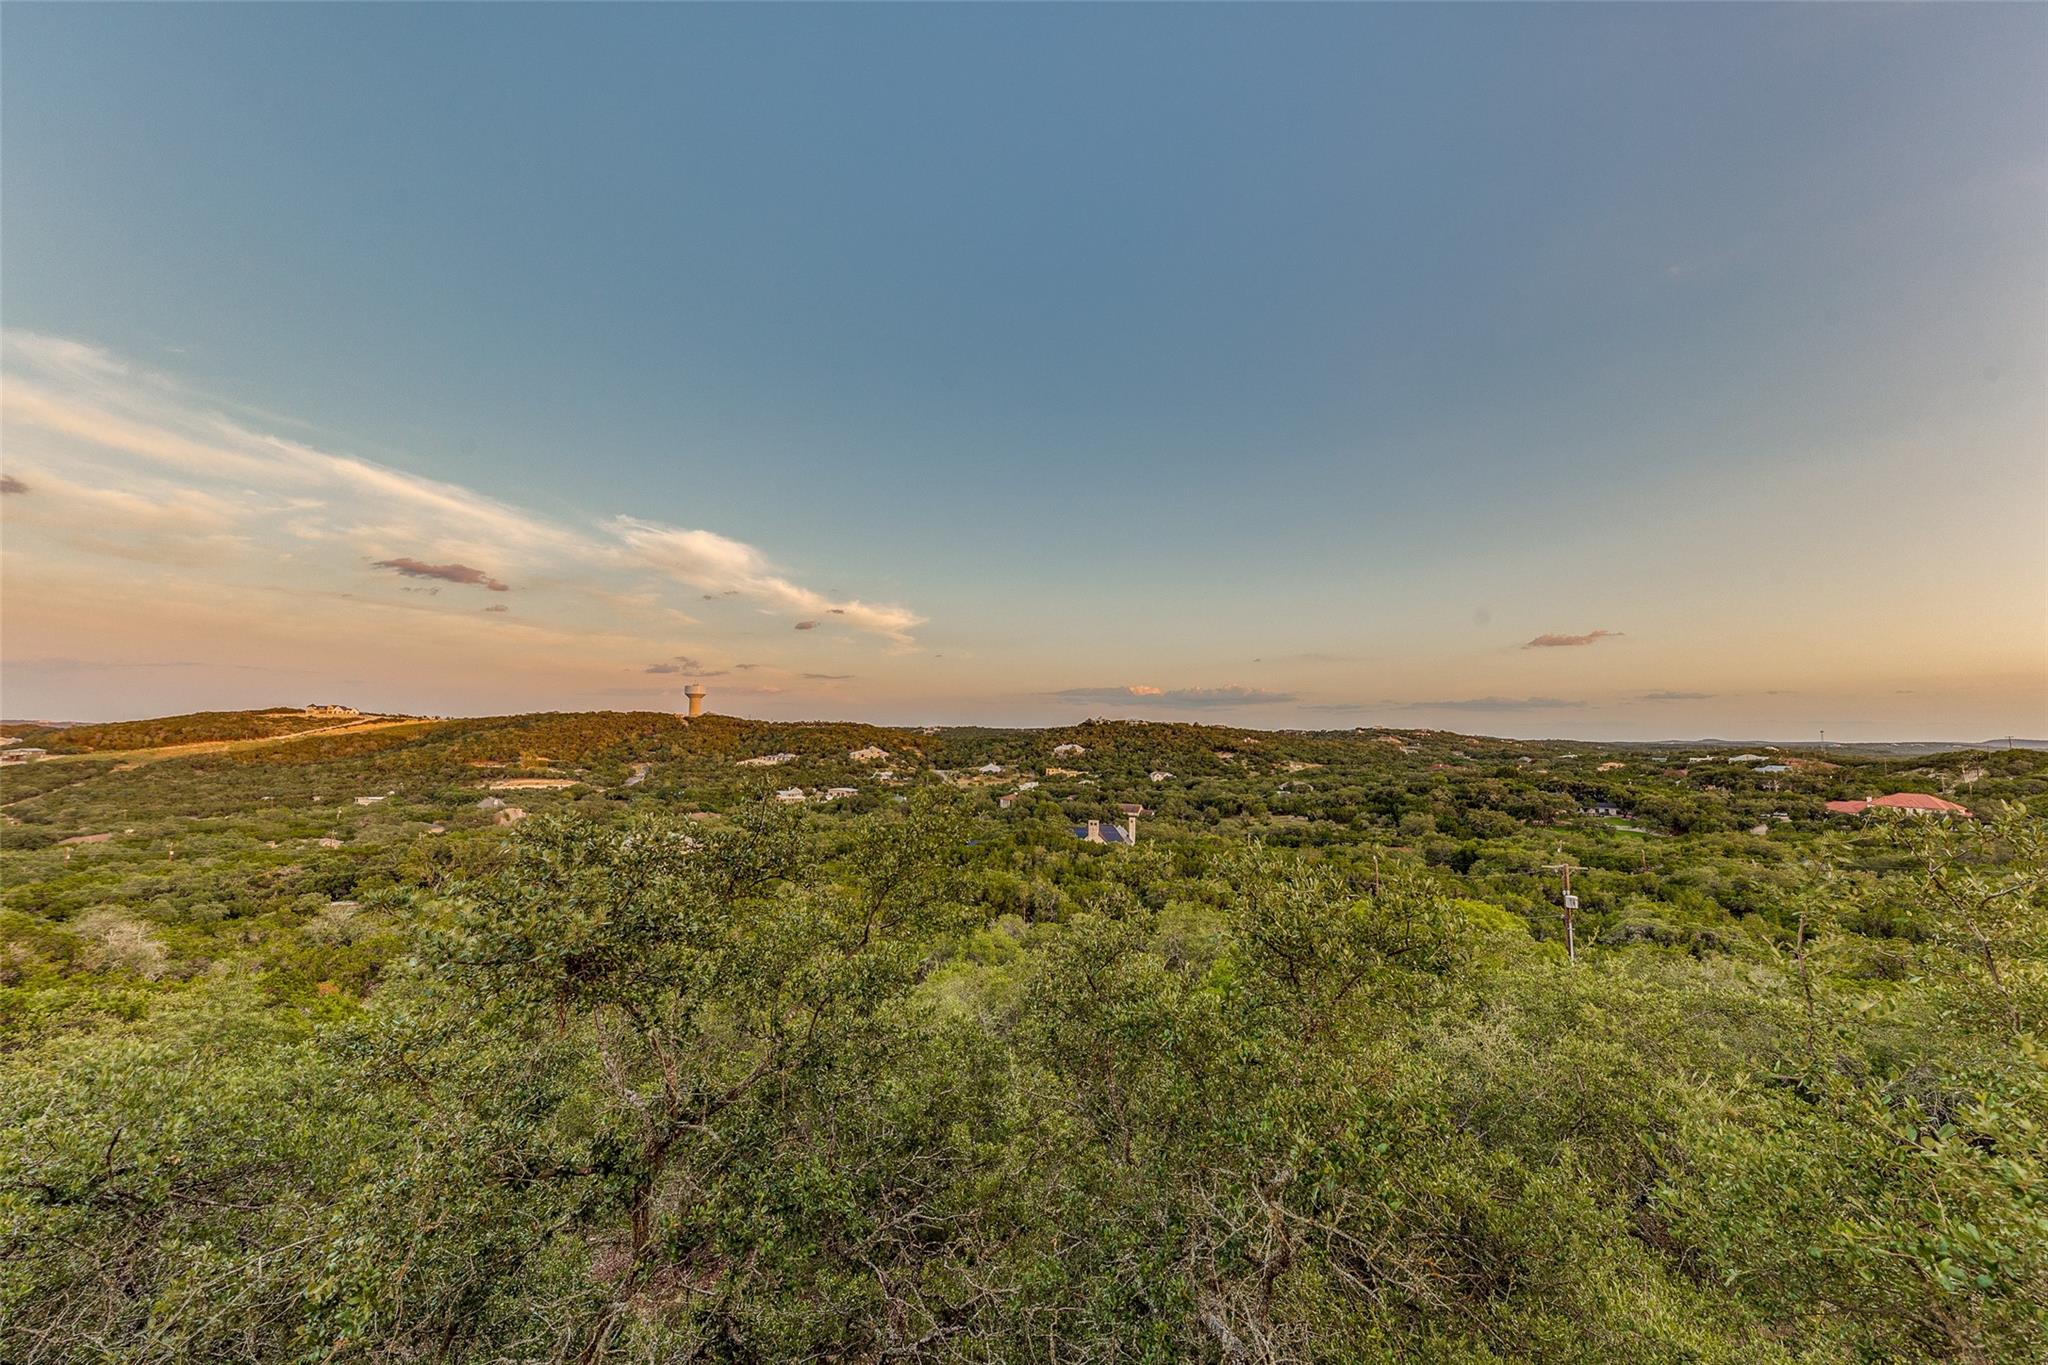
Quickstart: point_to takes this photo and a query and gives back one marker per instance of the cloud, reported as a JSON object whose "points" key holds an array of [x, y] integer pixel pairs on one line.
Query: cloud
{"points": [[1570, 641], [827, 677], [500, 607], [1189, 698], [447, 573], [129, 463], [1494, 704], [10, 484], [80, 395], [1310, 657], [1676, 696], [726, 567], [662, 668], [68, 665]]}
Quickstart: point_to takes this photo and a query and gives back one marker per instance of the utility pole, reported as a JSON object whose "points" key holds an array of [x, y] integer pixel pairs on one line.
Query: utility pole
{"points": [[1564, 871]]}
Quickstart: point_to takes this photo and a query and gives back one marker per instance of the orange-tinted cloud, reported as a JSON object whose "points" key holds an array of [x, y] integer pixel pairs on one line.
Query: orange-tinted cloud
{"points": [[1569, 641], [447, 573]]}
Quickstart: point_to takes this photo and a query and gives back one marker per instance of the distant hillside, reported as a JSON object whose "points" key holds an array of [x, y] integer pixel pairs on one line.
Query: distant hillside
{"points": [[1896, 748], [200, 727]]}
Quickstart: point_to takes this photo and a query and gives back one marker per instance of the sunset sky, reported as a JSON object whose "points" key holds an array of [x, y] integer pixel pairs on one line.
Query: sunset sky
{"points": [[1600, 371]]}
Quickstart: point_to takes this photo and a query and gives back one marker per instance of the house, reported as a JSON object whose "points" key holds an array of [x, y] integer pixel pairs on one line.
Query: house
{"points": [[1130, 809], [1096, 832], [990, 768], [326, 709], [23, 755], [867, 755], [1911, 803], [840, 793], [765, 761], [1009, 799], [1067, 751], [789, 796], [1604, 809], [1158, 776], [1774, 768], [491, 803], [1744, 758], [1610, 766]]}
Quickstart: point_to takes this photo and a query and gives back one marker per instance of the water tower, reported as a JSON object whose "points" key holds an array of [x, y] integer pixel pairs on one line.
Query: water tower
{"points": [[695, 692]]}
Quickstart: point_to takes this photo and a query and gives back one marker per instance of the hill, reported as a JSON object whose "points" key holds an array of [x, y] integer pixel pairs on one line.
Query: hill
{"points": [[201, 727]]}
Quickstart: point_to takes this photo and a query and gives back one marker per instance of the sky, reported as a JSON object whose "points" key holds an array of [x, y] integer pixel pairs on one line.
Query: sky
{"points": [[1591, 371]]}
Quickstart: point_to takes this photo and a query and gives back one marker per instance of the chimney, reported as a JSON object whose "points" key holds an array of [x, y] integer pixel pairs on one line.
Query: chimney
{"points": [[1131, 829], [1094, 831]]}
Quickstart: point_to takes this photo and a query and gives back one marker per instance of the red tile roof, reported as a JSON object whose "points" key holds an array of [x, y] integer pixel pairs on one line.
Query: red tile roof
{"points": [[1919, 801]]}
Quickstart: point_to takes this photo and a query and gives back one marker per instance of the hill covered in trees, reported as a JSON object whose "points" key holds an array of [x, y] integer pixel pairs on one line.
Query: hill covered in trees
{"points": [[584, 1036]]}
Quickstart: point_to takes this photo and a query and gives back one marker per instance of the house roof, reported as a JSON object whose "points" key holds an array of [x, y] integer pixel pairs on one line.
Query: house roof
{"points": [[1111, 834], [1919, 801]]}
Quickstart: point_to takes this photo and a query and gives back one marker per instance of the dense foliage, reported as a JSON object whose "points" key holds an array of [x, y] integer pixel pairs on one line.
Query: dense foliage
{"points": [[314, 1057]]}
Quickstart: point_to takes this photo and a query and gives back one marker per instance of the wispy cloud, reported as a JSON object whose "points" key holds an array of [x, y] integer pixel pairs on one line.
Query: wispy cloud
{"points": [[722, 567], [1571, 641], [447, 573], [1494, 704], [10, 484], [1188, 698], [67, 665], [1676, 696], [158, 472]]}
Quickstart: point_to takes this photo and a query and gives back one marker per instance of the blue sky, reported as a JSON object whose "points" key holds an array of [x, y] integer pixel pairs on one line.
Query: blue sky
{"points": [[1286, 365]]}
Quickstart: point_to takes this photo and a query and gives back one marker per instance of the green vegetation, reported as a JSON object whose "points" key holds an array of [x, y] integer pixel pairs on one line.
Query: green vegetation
{"points": [[322, 1055], [199, 728]]}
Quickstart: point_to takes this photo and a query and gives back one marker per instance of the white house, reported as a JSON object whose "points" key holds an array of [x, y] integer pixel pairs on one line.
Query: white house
{"points": [[766, 761], [1067, 751], [868, 755], [790, 795]]}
